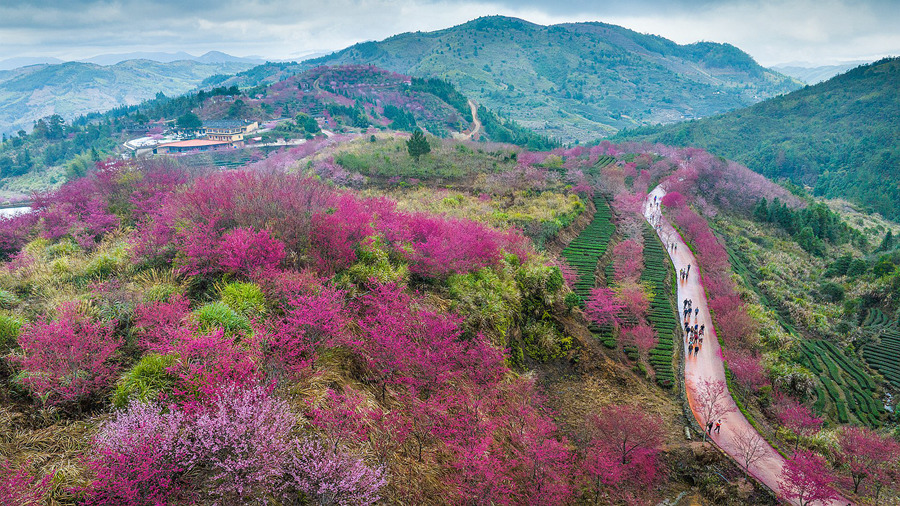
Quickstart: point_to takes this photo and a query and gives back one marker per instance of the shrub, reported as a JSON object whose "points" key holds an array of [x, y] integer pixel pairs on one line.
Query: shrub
{"points": [[245, 251], [489, 302], [8, 299], [68, 359], [374, 263], [219, 315], [136, 459], [159, 325], [9, 331], [101, 266], [65, 247], [244, 298], [209, 363], [145, 381], [239, 444], [19, 487], [543, 341], [333, 477]]}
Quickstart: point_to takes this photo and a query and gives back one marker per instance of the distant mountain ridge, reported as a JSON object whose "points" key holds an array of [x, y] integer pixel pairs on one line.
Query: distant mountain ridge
{"points": [[816, 74], [575, 81], [74, 88], [838, 137]]}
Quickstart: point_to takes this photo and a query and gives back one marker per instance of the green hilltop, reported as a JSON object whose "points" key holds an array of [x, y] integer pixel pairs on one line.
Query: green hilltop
{"points": [[838, 137], [575, 81]]}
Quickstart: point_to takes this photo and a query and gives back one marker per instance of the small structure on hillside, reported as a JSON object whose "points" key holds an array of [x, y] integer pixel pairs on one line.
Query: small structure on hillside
{"points": [[190, 145], [227, 130]]}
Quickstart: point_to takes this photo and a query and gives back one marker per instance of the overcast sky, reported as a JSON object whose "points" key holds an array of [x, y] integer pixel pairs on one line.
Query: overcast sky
{"points": [[819, 32]]}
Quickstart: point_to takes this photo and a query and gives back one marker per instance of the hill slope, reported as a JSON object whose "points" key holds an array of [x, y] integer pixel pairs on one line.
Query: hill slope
{"points": [[838, 136], [576, 80], [74, 88]]}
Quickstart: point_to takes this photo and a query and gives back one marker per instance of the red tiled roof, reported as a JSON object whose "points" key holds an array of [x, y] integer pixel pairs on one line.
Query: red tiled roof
{"points": [[193, 143]]}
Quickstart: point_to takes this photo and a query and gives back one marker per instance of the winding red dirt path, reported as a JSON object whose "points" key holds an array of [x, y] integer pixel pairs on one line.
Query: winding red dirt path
{"points": [[707, 364]]}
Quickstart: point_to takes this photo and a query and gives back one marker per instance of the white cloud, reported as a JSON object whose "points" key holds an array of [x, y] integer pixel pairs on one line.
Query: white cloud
{"points": [[773, 31]]}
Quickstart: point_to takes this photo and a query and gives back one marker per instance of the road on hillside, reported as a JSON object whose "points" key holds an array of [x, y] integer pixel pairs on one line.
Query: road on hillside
{"points": [[475, 134], [707, 364]]}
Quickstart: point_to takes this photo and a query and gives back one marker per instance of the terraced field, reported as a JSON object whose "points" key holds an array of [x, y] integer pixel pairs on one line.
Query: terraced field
{"points": [[662, 315], [846, 391], [883, 353], [583, 253]]}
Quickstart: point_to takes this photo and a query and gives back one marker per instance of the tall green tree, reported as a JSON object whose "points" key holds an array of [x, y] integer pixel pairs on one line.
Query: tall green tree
{"points": [[189, 121], [417, 145]]}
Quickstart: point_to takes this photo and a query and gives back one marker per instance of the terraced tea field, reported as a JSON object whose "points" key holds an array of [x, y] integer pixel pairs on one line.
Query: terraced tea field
{"points": [[883, 353], [583, 253], [662, 315], [847, 390]]}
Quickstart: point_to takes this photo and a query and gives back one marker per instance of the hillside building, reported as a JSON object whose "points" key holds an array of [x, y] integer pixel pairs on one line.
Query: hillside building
{"points": [[227, 130], [190, 145]]}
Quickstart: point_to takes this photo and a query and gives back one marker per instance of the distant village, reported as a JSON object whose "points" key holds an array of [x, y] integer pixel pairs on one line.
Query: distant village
{"points": [[213, 135]]}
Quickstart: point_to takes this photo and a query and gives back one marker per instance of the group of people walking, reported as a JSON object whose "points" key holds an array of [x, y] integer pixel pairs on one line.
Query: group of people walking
{"points": [[684, 272], [709, 426], [693, 334]]}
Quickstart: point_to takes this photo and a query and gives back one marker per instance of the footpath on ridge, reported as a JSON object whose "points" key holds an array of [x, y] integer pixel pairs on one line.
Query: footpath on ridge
{"points": [[707, 364]]}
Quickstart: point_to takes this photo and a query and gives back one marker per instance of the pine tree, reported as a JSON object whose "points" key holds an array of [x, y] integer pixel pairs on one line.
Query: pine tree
{"points": [[417, 145]]}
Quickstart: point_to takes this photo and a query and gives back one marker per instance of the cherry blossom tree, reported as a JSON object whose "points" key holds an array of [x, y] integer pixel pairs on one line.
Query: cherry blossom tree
{"points": [[798, 419], [712, 401], [642, 336], [868, 456], [749, 446], [622, 453], [807, 479], [603, 307]]}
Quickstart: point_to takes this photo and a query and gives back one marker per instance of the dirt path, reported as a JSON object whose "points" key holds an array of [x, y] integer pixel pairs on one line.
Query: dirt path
{"points": [[707, 364], [477, 130]]}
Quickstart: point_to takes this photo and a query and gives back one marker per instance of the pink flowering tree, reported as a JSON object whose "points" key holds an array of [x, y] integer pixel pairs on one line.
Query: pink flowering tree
{"points": [[135, 459], [333, 477], [244, 250], [623, 452], [341, 418], [869, 457], [806, 478], [604, 307], [159, 325], [628, 260], [634, 296], [747, 369], [642, 336], [712, 401], [674, 200], [68, 359], [798, 419]]}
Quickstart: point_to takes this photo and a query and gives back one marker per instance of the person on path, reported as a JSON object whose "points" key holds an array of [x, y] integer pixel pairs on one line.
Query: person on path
{"points": [[709, 426], [689, 269], [718, 425], [702, 327], [696, 349], [696, 312]]}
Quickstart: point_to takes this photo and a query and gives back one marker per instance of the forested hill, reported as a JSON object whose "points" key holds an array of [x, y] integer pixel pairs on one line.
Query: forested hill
{"points": [[72, 89], [839, 137], [577, 80]]}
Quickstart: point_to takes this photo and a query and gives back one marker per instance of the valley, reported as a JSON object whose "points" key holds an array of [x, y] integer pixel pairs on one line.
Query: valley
{"points": [[498, 263]]}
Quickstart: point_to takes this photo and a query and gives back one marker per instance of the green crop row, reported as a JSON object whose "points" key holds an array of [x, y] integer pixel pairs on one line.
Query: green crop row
{"points": [[838, 374], [585, 250], [662, 315]]}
